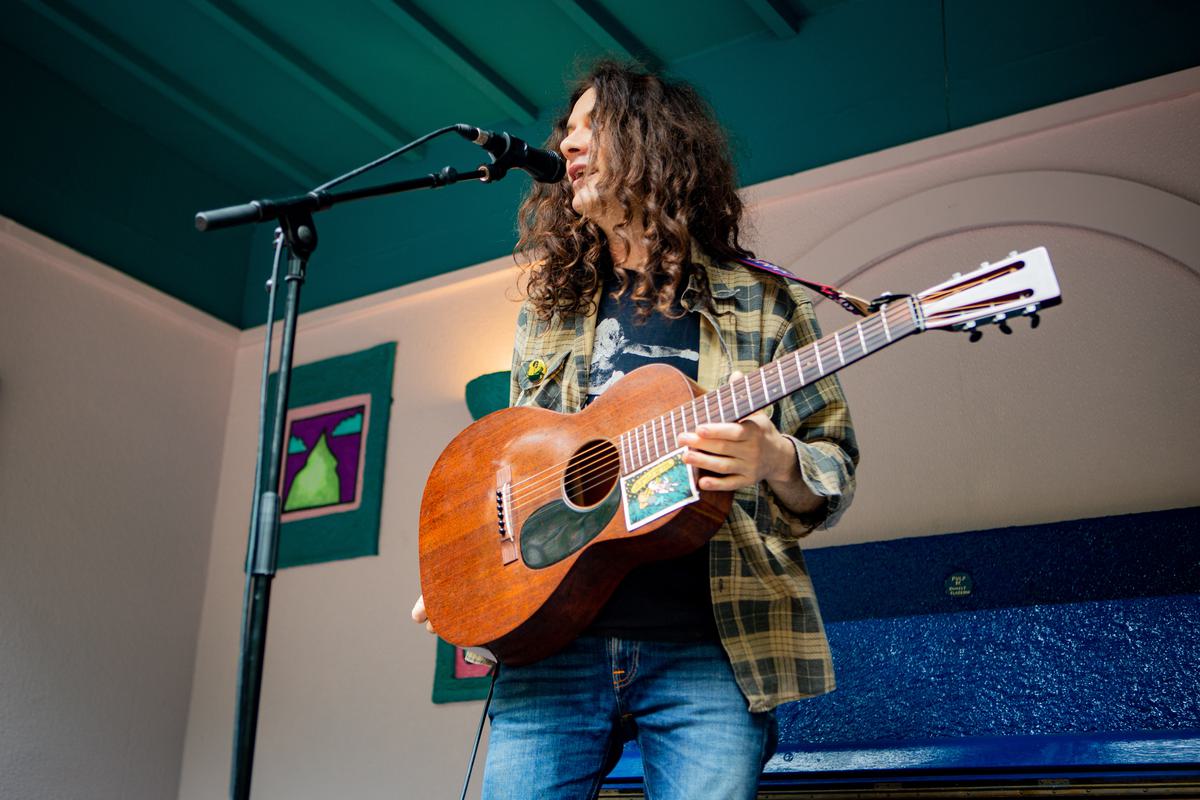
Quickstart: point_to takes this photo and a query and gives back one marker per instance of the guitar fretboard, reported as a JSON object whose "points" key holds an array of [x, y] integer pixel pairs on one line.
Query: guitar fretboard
{"points": [[739, 399]]}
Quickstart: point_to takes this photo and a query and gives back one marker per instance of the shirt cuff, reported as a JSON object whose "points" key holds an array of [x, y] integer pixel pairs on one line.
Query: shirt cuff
{"points": [[826, 473]]}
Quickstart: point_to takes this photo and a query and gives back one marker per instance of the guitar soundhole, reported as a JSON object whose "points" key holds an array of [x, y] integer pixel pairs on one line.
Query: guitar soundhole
{"points": [[591, 473]]}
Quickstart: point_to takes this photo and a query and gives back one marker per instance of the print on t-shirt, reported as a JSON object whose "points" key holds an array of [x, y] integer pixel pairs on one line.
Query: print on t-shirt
{"points": [[614, 346], [623, 343]]}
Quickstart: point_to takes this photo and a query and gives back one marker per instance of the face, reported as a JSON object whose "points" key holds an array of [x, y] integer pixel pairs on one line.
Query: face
{"points": [[578, 151]]}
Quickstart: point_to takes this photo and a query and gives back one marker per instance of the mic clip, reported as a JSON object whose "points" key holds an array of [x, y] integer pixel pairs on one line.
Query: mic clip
{"points": [[502, 163]]}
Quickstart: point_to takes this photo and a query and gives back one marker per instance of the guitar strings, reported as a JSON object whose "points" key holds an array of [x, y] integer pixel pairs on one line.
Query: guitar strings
{"points": [[552, 472], [599, 464], [596, 464], [593, 459]]}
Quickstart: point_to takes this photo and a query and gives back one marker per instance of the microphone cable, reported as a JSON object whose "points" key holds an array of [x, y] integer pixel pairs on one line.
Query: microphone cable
{"points": [[384, 159], [487, 703]]}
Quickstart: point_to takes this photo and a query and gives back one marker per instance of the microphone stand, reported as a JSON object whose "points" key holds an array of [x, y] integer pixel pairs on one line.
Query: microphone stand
{"points": [[298, 234]]}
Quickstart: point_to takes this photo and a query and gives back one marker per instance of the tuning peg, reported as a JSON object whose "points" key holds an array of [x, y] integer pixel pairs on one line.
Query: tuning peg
{"points": [[975, 336], [1007, 331]]}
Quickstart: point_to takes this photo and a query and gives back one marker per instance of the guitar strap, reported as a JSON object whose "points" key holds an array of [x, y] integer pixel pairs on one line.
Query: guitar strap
{"points": [[855, 305]]}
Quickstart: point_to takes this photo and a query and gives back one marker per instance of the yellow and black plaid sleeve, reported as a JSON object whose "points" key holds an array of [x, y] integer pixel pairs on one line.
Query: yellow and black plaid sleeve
{"points": [[818, 421]]}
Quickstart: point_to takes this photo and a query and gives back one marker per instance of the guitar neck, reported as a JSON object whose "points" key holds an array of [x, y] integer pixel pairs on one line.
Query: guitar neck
{"points": [[739, 399]]}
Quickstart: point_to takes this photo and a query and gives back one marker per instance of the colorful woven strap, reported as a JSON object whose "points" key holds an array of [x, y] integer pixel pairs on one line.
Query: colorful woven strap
{"points": [[855, 305]]}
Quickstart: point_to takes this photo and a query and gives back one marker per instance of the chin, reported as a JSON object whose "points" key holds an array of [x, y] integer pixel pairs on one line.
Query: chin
{"points": [[585, 209]]}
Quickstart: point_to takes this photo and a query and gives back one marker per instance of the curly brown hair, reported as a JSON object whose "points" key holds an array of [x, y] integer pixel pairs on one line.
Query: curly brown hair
{"points": [[667, 159]]}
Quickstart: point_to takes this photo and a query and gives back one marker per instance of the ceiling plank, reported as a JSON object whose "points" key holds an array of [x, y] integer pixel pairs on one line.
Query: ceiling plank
{"points": [[458, 56], [353, 107], [781, 19], [139, 66], [608, 31]]}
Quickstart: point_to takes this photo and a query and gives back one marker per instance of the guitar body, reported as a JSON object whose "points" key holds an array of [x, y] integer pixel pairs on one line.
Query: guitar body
{"points": [[523, 570]]}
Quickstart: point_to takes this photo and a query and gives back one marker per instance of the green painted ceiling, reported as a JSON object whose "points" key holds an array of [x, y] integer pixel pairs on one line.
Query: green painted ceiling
{"points": [[123, 118]]}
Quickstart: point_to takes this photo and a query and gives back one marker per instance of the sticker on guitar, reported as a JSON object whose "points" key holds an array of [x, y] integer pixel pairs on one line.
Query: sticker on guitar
{"points": [[658, 488]]}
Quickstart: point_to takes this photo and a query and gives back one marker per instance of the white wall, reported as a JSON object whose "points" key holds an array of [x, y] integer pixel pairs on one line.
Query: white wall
{"points": [[113, 401], [1092, 414]]}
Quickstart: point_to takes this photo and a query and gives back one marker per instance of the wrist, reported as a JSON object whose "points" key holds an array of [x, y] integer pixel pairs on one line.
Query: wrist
{"points": [[786, 465]]}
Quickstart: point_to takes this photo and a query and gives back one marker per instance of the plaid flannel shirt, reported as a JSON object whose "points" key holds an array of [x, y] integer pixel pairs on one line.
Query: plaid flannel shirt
{"points": [[763, 599]]}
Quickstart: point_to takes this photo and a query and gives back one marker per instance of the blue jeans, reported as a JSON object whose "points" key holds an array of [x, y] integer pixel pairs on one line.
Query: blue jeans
{"points": [[558, 725]]}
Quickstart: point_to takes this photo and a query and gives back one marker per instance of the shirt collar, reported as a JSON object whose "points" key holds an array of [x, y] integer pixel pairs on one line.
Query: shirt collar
{"points": [[718, 279]]}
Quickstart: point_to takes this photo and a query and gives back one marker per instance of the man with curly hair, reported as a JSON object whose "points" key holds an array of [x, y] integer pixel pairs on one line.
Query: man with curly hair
{"points": [[690, 655]]}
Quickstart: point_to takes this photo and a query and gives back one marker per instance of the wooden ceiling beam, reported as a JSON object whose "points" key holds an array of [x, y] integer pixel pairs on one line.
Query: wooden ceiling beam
{"points": [[778, 16], [608, 31], [308, 74], [458, 56], [123, 55]]}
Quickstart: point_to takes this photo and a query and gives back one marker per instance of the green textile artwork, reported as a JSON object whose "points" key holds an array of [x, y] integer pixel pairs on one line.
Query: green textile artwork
{"points": [[331, 482]]}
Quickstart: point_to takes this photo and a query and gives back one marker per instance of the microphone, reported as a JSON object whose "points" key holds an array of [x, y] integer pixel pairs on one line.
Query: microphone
{"points": [[508, 151]]}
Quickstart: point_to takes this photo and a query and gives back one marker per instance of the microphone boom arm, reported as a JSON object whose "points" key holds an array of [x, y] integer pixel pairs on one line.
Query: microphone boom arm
{"points": [[320, 200]]}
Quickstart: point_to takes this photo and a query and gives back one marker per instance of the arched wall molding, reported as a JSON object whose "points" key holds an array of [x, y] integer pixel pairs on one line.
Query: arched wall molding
{"points": [[1143, 214]]}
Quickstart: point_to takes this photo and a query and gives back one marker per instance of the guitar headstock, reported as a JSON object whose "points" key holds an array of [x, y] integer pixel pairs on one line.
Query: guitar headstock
{"points": [[1021, 284]]}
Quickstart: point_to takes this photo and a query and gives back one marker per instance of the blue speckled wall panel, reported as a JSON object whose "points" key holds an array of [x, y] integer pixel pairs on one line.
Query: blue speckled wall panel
{"points": [[1093, 667], [1076, 646]]}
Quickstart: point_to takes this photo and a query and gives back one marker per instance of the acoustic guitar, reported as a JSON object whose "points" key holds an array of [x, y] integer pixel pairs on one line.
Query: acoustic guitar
{"points": [[531, 518]]}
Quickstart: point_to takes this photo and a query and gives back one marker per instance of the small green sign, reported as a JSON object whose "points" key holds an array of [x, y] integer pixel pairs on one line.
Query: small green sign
{"points": [[959, 584]]}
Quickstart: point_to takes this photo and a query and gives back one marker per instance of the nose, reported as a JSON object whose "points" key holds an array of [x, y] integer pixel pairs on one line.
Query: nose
{"points": [[575, 143]]}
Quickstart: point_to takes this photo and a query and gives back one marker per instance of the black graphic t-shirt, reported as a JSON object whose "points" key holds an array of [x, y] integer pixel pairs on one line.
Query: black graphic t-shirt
{"points": [[662, 600]]}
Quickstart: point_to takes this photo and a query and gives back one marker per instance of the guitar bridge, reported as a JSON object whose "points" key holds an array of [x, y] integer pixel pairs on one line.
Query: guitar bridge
{"points": [[504, 521]]}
